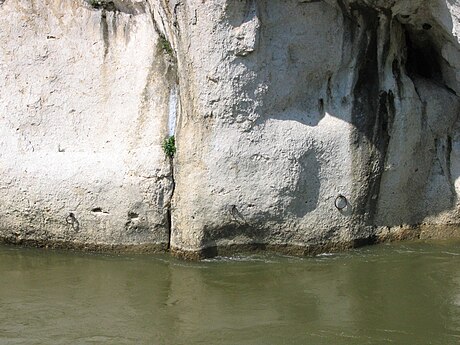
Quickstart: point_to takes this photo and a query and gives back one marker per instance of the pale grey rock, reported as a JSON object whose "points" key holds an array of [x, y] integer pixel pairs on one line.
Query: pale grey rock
{"points": [[278, 107], [84, 98], [353, 98]]}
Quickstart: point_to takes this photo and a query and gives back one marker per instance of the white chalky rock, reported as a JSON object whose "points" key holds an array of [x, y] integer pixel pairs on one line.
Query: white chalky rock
{"points": [[277, 107]]}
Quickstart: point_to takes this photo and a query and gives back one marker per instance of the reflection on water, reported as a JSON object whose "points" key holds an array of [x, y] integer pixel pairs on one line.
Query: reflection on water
{"points": [[401, 294]]}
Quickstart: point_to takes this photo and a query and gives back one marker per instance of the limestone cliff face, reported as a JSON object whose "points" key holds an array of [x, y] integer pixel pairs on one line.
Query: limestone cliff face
{"points": [[84, 104], [281, 107]]}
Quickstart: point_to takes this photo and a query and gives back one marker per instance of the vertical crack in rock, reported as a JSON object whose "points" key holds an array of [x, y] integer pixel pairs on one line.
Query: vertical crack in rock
{"points": [[173, 108], [169, 205], [450, 178], [165, 61]]}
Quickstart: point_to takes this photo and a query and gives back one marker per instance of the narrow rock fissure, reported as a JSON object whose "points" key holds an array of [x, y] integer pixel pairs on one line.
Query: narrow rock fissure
{"points": [[451, 180], [169, 207], [166, 54]]}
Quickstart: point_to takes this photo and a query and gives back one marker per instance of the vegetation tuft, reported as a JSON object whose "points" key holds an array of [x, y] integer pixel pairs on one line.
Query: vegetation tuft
{"points": [[169, 146], [165, 45]]}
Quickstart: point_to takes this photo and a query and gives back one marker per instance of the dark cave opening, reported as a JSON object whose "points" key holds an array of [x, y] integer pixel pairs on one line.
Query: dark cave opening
{"points": [[423, 59]]}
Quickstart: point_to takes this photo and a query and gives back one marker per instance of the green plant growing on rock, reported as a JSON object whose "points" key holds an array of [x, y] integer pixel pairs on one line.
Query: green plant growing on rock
{"points": [[165, 45], [169, 146]]}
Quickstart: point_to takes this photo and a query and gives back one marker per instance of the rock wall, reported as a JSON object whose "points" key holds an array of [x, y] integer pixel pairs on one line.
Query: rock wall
{"points": [[84, 106], [281, 106]]}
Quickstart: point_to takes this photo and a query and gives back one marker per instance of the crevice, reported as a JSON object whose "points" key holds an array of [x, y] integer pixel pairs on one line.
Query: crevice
{"points": [[396, 69], [164, 62], [98, 210], [448, 153], [449, 169], [329, 89], [321, 107], [424, 120], [164, 43], [169, 205]]}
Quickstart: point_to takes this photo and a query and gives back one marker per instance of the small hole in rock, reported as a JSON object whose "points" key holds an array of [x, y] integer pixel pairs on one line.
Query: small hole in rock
{"points": [[426, 26], [132, 215]]}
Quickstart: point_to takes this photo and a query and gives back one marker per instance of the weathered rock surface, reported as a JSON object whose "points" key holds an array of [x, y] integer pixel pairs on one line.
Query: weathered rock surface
{"points": [[84, 104], [282, 107]]}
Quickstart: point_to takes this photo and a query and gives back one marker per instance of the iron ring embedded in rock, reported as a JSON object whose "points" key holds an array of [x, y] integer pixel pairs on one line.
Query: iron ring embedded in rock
{"points": [[70, 219], [340, 202]]}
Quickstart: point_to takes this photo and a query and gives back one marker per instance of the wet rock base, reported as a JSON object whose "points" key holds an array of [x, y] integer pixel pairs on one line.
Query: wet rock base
{"points": [[422, 232]]}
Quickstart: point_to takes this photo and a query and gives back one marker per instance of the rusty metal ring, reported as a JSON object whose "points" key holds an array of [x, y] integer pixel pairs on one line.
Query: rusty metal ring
{"points": [[340, 202], [70, 219]]}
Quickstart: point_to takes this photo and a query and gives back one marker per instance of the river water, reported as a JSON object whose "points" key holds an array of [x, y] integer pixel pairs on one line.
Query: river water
{"points": [[388, 294]]}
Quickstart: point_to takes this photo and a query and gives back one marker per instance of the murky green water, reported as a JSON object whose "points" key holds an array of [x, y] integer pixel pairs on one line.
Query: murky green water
{"points": [[401, 294]]}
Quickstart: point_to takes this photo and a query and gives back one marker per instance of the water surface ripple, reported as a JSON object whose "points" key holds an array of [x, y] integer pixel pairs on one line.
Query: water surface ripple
{"points": [[389, 294]]}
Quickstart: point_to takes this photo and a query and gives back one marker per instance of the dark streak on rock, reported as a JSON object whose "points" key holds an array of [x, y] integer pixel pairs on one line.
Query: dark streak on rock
{"points": [[396, 69], [348, 28], [449, 169], [105, 32], [367, 155], [373, 114], [321, 107], [114, 25], [329, 89], [385, 21]]}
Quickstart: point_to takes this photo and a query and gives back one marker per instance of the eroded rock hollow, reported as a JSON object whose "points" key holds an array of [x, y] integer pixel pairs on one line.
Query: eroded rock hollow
{"points": [[301, 126]]}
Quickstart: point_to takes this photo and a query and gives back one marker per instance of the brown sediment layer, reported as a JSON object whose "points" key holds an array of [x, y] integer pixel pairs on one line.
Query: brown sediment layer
{"points": [[439, 232], [145, 248], [398, 233], [423, 231], [284, 249], [383, 235]]}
